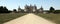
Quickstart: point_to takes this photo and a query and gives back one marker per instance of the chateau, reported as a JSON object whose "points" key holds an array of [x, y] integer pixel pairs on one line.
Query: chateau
{"points": [[31, 9]]}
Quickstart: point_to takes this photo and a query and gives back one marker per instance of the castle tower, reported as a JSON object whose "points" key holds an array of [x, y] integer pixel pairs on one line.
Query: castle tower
{"points": [[34, 8], [19, 9], [41, 10]]}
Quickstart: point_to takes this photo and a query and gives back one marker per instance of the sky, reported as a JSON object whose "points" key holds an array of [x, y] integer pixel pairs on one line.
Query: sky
{"points": [[46, 4]]}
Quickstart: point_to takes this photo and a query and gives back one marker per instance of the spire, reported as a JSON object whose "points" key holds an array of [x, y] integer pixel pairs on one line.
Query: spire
{"points": [[26, 5], [41, 6], [19, 8], [30, 5], [34, 4]]}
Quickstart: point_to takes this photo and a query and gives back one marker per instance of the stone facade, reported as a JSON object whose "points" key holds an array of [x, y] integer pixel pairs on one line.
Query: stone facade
{"points": [[19, 9], [41, 10], [30, 9]]}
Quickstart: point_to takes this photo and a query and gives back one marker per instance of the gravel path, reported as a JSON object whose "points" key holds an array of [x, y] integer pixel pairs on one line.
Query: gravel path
{"points": [[29, 19]]}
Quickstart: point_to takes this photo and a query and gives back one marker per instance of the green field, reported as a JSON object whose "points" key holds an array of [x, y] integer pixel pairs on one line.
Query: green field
{"points": [[52, 17], [7, 17]]}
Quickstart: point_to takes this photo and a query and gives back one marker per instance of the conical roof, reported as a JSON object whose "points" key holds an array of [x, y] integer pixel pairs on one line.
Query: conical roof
{"points": [[29, 19]]}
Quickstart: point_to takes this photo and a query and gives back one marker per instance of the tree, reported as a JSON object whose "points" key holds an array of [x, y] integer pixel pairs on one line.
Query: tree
{"points": [[57, 11], [5, 9], [14, 10], [52, 10], [1, 9]]}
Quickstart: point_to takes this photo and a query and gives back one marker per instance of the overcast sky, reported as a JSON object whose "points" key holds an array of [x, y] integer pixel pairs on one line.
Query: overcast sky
{"points": [[14, 4]]}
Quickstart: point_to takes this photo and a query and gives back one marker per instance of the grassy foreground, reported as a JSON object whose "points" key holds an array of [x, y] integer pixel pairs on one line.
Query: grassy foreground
{"points": [[53, 17], [7, 17]]}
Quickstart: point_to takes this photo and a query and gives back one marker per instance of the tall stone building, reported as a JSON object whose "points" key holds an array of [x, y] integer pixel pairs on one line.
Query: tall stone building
{"points": [[34, 8], [19, 9], [26, 8], [30, 9], [41, 10]]}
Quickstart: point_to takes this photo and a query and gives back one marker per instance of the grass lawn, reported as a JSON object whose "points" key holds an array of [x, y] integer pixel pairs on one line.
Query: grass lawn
{"points": [[7, 17], [53, 17]]}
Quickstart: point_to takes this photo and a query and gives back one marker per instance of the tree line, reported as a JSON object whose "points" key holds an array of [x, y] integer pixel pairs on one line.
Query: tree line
{"points": [[52, 10], [3, 9]]}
